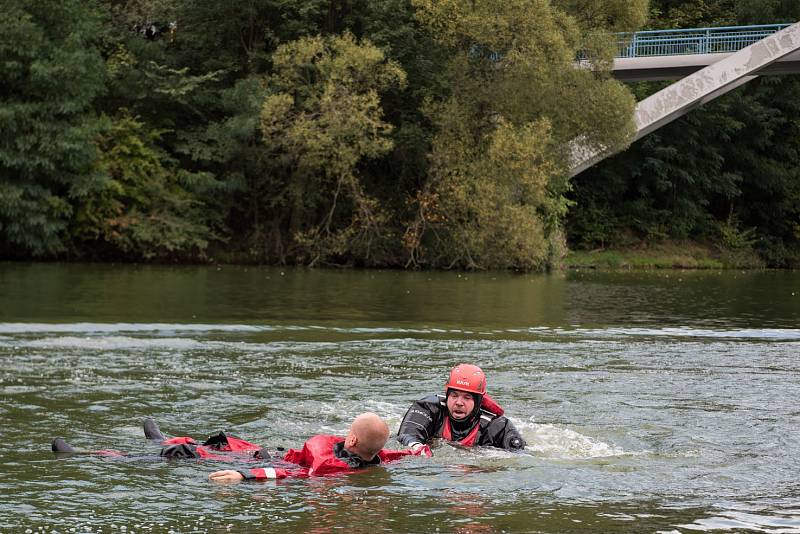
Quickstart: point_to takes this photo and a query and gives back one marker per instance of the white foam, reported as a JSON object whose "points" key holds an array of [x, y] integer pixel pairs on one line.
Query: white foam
{"points": [[105, 328], [115, 343], [552, 441], [733, 520], [770, 334]]}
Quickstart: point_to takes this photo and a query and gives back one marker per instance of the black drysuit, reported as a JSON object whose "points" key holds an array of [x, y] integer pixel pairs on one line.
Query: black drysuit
{"points": [[425, 420]]}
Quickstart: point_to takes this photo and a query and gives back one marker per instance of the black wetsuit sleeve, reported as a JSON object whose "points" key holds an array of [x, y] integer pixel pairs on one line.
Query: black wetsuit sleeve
{"points": [[247, 474], [504, 435], [420, 423]]}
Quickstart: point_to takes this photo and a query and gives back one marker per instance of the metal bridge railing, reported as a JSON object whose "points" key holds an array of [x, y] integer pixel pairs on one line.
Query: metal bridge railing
{"points": [[694, 41]]}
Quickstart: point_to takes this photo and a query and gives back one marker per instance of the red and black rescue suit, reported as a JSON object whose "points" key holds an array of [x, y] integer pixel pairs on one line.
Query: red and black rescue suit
{"points": [[320, 455], [429, 418], [217, 447]]}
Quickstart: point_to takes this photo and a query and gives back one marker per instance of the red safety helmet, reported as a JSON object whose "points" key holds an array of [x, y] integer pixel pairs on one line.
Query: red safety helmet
{"points": [[467, 377]]}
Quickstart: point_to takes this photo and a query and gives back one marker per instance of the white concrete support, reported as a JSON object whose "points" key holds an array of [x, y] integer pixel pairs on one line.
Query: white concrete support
{"points": [[696, 89]]}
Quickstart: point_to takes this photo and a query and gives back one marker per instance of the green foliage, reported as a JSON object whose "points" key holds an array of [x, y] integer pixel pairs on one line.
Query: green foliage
{"points": [[51, 72], [322, 118], [479, 223], [374, 132], [145, 209], [732, 237], [736, 244], [767, 11], [494, 194], [691, 13], [597, 19], [32, 219], [606, 15]]}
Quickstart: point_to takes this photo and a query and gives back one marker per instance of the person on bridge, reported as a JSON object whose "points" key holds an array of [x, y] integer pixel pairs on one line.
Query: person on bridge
{"points": [[327, 455], [465, 414]]}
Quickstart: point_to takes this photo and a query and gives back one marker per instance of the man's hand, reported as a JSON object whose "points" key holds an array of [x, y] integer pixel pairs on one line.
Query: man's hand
{"points": [[420, 449], [228, 475]]}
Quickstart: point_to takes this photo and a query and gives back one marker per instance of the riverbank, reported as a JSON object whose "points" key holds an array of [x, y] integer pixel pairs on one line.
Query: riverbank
{"points": [[669, 255]]}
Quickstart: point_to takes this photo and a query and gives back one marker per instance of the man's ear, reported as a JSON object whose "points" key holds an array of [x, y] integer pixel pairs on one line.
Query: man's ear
{"points": [[350, 441]]}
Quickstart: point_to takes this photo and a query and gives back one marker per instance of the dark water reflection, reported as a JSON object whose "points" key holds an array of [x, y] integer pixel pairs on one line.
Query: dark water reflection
{"points": [[651, 402], [147, 294]]}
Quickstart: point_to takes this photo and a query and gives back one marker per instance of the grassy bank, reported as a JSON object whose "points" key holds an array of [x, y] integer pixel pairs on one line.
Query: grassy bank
{"points": [[664, 256]]}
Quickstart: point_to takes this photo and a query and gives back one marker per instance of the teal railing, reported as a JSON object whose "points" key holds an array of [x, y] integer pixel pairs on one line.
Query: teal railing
{"points": [[694, 41]]}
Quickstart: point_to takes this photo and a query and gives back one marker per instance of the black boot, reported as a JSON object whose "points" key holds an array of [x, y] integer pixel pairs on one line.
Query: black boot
{"points": [[151, 431], [59, 445]]}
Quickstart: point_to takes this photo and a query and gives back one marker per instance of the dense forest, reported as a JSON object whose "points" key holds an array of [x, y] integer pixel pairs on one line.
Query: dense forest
{"points": [[377, 133]]}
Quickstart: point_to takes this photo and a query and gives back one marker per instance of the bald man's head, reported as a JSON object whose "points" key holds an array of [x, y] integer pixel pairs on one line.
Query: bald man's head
{"points": [[368, 435]]}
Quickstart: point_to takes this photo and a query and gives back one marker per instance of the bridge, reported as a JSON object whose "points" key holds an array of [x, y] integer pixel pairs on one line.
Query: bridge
{"points": [[675, 54], [709, 63]]}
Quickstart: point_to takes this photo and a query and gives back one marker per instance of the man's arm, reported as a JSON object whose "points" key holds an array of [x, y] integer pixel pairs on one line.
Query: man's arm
{"points": [[505, 435], [228, 475], [419, 424], [261, 473]]}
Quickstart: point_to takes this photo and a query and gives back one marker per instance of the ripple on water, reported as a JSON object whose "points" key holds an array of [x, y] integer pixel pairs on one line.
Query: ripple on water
{"points": [[26, 329]]}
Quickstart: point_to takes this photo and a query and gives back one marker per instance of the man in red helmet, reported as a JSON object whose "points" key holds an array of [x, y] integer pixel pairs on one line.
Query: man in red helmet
{"points": [[465, 414]]}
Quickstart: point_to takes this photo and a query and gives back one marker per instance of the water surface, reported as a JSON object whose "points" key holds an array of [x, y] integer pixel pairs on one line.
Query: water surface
{"points": [[651, 402]]}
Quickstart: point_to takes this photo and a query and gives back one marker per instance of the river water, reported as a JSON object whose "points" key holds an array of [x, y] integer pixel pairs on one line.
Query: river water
{"points": [[651, 402]]}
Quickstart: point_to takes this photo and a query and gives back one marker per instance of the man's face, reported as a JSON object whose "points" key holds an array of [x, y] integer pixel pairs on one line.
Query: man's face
{"points": [[460, 404]]}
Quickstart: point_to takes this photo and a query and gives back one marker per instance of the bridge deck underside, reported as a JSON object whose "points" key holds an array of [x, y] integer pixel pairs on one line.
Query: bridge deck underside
{"points": [[641, 69]]}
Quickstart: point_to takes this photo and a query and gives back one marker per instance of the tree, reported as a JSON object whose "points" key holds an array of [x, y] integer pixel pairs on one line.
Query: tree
{"points": [[494, 197], [321, 118], [146, 209], [50, 74], [767, 11]]}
